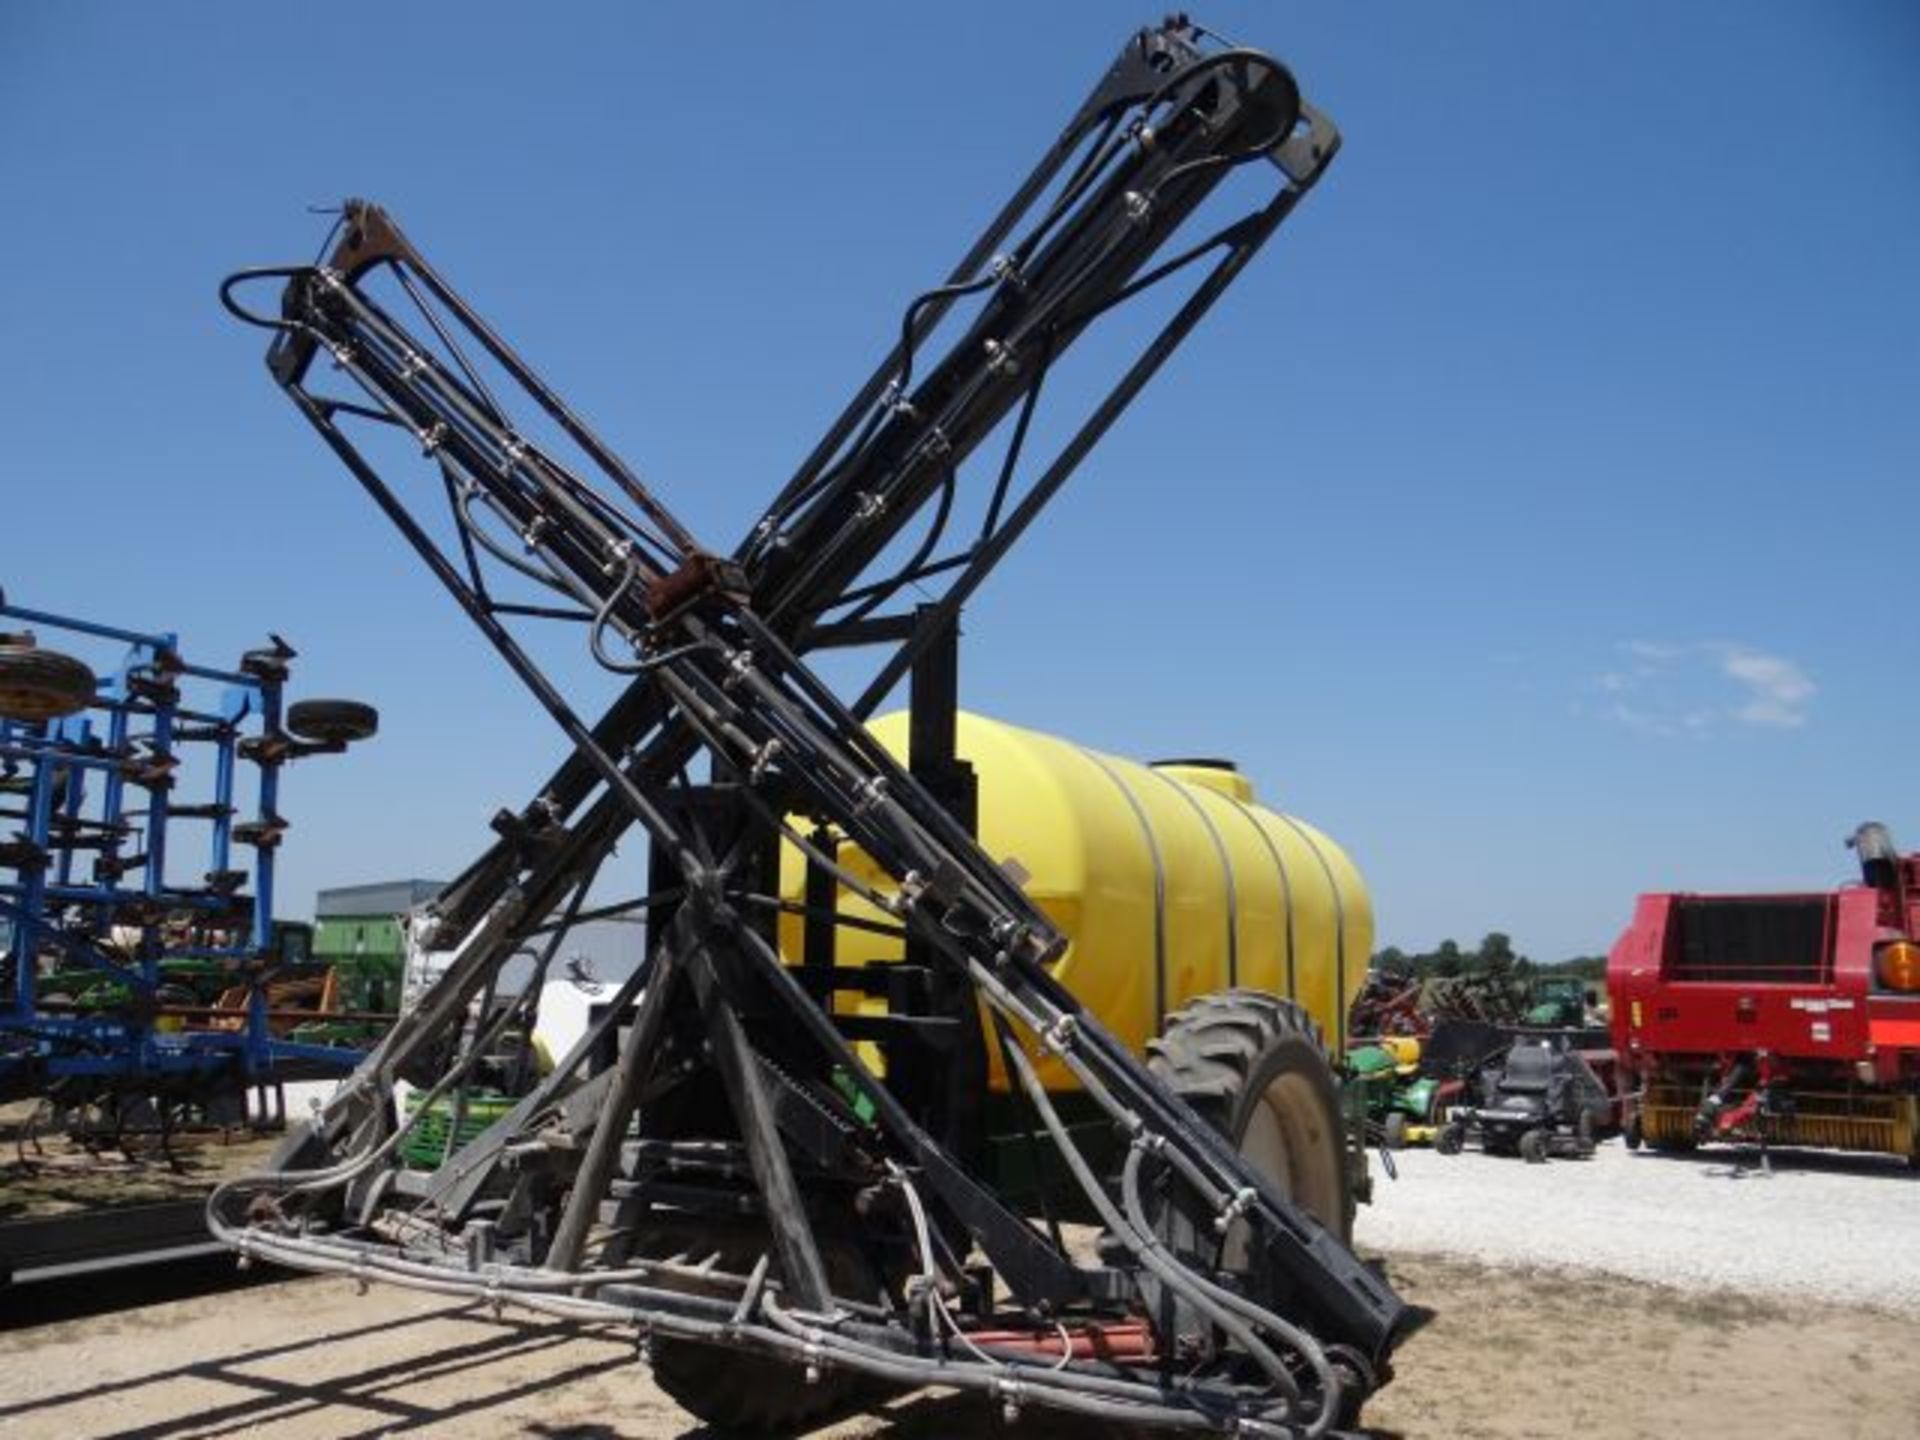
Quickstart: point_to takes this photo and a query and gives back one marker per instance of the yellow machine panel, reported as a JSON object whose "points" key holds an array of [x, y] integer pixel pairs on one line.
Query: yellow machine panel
{"points": [[1169, 882]]}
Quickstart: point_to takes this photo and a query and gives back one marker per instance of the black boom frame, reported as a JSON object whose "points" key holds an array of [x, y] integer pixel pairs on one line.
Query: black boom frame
{"points": [[730, 1097]]}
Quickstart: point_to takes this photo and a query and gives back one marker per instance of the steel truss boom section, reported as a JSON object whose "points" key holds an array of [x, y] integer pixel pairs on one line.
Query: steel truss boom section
{"points": [[372, 341]]}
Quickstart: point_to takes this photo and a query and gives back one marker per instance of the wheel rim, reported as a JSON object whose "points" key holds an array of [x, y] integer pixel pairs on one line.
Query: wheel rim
{"points": [[1285, 1138]]}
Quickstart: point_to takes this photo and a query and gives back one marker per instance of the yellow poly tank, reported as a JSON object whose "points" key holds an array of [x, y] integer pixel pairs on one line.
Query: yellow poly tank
{"points": [[1168, 881]]}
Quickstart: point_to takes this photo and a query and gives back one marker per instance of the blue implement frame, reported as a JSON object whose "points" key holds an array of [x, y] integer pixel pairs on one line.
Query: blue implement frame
{"points": [[88, 887]]}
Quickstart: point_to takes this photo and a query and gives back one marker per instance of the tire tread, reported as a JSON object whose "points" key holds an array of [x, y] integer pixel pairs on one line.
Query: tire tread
{"points": [[1210, 1047]]}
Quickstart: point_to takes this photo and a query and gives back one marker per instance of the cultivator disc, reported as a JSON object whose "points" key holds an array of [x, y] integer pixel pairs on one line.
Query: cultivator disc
{"points": [[39, 685]]}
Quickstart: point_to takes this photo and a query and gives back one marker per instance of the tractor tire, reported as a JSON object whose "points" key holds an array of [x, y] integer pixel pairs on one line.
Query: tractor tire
{"points": [[38, 685], [1255, 1067], [740, 1392], [1393, 1131], [333, 722], [1533, 1147], [732, 1392], [1451, 1139]]}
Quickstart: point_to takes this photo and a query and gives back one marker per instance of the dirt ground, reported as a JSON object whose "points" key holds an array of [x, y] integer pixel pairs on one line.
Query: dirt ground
{"points": [[1511, 1354], [47, 1174]]}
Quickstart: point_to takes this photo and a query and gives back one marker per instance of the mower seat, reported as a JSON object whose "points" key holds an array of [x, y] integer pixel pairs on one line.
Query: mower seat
{"points": [[1529, 1071]]}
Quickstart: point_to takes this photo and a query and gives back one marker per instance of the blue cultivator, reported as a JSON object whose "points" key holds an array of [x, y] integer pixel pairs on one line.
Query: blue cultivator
{"points": [[128, 998]]}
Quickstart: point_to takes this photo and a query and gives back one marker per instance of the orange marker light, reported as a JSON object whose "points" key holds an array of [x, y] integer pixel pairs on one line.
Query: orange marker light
{"points": [[1899, 965]]}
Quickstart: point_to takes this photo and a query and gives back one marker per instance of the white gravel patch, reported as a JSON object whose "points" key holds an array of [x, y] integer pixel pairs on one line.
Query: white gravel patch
{"points": [[1838, 1228]]}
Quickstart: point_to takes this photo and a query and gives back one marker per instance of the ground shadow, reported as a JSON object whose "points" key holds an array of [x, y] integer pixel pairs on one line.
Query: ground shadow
{"points": [[60, 1301], [1742, 1162], [359, 1398], [943, 1415]]}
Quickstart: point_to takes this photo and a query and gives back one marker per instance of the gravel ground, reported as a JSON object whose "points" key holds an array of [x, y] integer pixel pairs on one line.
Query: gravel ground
{"points": [[1820, 1227]]}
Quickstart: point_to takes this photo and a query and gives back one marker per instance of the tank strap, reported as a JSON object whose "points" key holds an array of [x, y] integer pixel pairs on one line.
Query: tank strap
{"points": [[1159, 883], [1339, 932], [1286, 889], [1226, 871]]}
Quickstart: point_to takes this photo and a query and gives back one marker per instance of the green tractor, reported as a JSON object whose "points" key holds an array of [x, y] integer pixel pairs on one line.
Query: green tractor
{"points": [[1399, 1103], [187, 983], [1559, 1003]]}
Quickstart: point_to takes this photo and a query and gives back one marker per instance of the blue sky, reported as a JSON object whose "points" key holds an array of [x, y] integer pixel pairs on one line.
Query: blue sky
{"points": [[1535, 516]]}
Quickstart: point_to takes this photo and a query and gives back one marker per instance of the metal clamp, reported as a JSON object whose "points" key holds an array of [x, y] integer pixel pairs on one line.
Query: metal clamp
{"points": [[1242, 1200]]}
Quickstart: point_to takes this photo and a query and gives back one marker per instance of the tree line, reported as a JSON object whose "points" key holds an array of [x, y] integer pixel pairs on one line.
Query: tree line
{"points": [[1494, 956]]}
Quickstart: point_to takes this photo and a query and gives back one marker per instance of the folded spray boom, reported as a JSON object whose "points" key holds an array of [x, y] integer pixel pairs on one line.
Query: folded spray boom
{"points": [[721, 1096]]}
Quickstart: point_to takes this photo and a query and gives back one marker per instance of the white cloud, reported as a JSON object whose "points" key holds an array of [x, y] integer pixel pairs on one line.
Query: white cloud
{"points": [[1689, 689], [1778, 690]]}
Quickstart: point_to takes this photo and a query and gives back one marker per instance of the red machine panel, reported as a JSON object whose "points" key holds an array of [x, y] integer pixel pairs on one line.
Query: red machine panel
{"points": [[1798, 1013]]}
